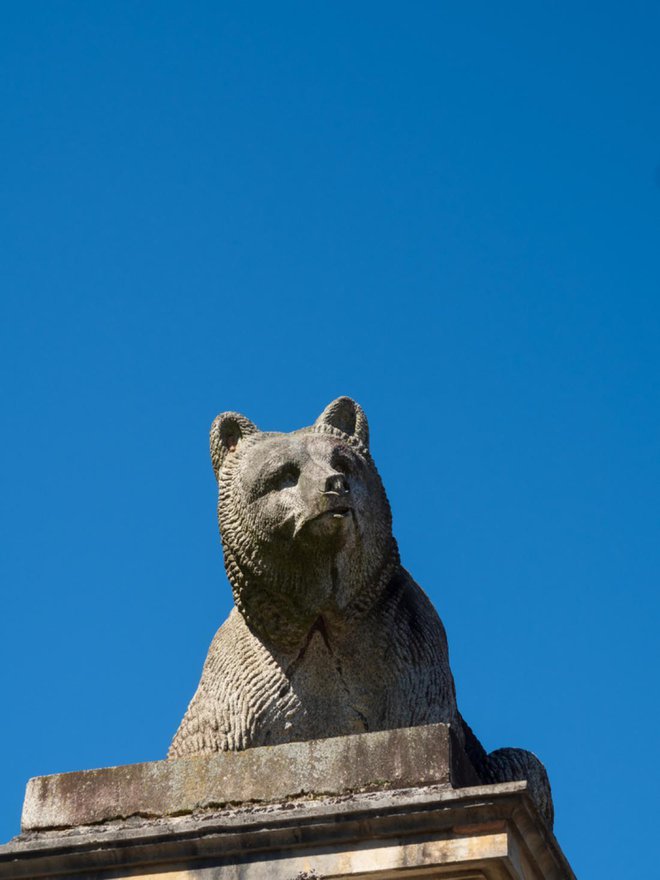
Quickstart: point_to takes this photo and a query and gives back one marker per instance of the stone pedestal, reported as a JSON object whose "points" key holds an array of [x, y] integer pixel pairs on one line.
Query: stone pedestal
{"points": [[399, 803]]}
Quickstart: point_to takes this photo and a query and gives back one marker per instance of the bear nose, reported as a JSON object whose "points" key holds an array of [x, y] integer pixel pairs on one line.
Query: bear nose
{"points": [[336, 484]]}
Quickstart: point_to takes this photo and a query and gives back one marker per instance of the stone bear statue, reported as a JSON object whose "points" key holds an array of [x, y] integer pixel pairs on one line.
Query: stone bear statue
{"points": [[330, 634]]}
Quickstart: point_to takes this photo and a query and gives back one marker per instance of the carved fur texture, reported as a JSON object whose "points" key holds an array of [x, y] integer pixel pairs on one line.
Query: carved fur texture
{"points": [[330, 635]]}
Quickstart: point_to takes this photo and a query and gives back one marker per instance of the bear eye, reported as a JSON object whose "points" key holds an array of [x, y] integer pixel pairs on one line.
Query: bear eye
{"points": [[283, 478]]}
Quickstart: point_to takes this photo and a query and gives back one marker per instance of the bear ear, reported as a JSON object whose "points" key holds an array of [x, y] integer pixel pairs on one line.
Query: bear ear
{"points": [[227, 432], [347, 416]]}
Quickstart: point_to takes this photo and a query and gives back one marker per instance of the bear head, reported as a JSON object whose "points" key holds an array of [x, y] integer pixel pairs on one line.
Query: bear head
{"points": [[305, 523]]}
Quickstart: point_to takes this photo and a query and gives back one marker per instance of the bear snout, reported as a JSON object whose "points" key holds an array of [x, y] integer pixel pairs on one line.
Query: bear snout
{"points": [[336, 484]]}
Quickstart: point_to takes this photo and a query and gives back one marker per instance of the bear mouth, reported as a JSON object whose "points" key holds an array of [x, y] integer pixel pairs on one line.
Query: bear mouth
{"points": [[339, 512], [326, 522], [333, 513]]}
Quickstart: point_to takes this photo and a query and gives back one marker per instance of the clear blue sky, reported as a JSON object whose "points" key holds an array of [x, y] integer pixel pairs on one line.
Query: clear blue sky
{"points": [[449, 211]]}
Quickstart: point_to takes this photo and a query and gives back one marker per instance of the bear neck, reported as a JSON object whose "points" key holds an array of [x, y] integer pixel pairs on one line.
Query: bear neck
{"points": [[283, 600]]}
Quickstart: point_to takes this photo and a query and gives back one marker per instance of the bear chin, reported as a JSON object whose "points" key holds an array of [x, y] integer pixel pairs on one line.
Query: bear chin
{"points": [[334, 526]]}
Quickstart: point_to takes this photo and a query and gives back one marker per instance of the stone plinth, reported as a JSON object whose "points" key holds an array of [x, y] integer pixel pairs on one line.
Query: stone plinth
{"points": [[381, 805], [365, 762]]}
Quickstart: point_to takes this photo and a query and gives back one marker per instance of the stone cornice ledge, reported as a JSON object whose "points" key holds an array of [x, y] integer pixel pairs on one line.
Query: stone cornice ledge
{"points": [[497, 824]]}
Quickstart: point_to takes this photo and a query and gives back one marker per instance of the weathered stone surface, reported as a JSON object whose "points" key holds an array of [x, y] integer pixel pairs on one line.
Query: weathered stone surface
{"points": [[330, 635], [489, 832], [395, 758]]}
